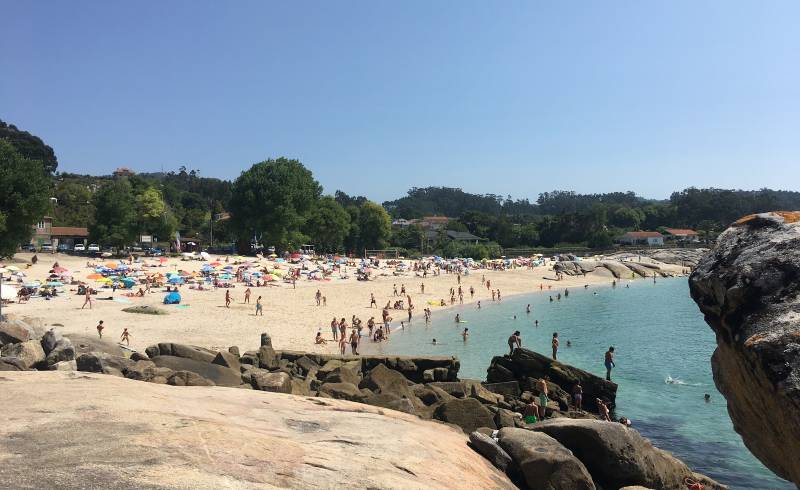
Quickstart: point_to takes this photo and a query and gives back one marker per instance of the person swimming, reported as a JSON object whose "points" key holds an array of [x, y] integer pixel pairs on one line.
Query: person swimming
{"points": [[458, 318], [434, 342], [465, 334]]}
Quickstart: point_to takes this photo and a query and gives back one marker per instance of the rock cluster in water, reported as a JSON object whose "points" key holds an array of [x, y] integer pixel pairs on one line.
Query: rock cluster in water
{"points": [[747, 288], [572, 449]]}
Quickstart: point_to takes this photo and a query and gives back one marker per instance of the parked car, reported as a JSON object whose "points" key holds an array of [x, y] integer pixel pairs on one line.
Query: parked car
{"points": [[64, 247], [47, 247], [28, 247], [80, 248], [93, 247], [155, 252]]}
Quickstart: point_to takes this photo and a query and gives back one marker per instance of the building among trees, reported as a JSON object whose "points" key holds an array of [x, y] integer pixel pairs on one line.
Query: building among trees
{"points": [[649, 238]]}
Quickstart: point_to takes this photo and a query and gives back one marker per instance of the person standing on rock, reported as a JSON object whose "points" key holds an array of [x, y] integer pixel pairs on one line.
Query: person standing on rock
{"points": [[577, 396], [555, 346], [543, 399], [609, 361], [515, 341]]}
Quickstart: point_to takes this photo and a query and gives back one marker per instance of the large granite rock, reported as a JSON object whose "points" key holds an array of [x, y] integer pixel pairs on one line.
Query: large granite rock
{"points": [[525, 366], [82, 430], [467, 413], [100, 362], [61, 351], [14, 332], [219, 375], [490, 450], [29, 353], [617, 456], [747, 288], [544, 463]]}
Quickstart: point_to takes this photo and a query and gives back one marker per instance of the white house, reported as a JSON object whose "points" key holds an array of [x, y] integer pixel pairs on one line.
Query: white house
{"points": [[649, 238]]}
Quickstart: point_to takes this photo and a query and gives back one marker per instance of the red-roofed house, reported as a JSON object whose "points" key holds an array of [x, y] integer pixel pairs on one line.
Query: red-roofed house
{"points": [[682, 234], [649, 238]]}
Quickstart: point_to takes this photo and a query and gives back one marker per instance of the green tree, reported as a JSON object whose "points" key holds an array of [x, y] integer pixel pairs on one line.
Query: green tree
{"points": [[375, 226], [115, 220], [24, 194], [29, 146], [272, 200], [153, 215], [327, 225], [74, 203]]}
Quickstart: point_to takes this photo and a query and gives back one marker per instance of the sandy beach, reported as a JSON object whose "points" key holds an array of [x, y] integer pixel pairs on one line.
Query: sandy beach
{"points": [[291, 315]]}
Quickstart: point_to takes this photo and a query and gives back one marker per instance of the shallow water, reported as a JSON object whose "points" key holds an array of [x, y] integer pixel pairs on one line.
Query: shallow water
{"points": [[663, 349]]}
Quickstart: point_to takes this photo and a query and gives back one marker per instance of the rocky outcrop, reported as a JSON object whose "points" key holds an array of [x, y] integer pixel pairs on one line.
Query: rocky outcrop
{"points": [[526, 367], [83, 430], [543, 462], [617, 456], [747, 288], [29, 353]]}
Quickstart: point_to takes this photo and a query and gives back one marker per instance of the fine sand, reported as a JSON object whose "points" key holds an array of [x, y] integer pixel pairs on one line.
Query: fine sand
{"points": [[291, 315]]}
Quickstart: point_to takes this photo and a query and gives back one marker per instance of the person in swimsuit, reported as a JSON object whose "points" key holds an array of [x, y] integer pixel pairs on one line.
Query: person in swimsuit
{"points": [[354, 338], [227, 298], [577, 396], [514, 341], [609, 362], [126, 336], [555, 346], [372, 302], [542, 385], [259, 307], [319, 339], [335, 329], [247, 293], [465, 334], [100, 328], [342, 344], [88, 299]]}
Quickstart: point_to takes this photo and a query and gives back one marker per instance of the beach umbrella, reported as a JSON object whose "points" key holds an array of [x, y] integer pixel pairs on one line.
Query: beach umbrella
{"points": [[111, 265], [94, 276], [128, 282], [226, 276], [175, 280], [58, 270], [32, 285], [56, 284]]}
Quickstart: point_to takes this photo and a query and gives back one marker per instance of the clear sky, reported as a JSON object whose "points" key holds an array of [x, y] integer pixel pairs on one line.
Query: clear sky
{"points": [[376, 97]]}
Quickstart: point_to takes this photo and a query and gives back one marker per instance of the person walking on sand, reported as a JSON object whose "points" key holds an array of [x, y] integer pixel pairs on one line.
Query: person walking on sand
{"points": [[471, 292], [498, 295], [100, 328], [227, 298], [88, 299], [422, 288], [372, 302], [515, 341], [318, 297], [555, 346], [126, 336], [609, 362], [247, 293], [342, 344], [259, 307]]}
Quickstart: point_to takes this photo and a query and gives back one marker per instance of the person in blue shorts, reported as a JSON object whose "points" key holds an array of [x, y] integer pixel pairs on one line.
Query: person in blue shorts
{"points": [[609, 362]]}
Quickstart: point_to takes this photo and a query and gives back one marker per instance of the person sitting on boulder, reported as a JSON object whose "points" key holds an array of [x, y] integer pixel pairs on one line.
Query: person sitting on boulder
{"points": [[531, 412], [602, 410]]}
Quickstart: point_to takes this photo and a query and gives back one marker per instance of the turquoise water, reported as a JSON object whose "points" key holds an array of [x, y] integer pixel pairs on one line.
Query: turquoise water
{"points": [[663, 349]]}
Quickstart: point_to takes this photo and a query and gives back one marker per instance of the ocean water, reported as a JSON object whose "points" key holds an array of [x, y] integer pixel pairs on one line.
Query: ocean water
{"points": [[663, 349]]}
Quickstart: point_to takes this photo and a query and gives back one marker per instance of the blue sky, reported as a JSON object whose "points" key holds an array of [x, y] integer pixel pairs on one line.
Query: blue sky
{"points": [[376, 97]]}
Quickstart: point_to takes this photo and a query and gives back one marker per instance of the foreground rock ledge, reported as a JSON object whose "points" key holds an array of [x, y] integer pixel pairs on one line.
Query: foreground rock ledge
{"points": [[747, 288], [81, 430]]}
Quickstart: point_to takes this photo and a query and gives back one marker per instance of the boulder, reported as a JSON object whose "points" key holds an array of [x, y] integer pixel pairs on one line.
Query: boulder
{"points": [[616, 268], [336, 371], [509, 389], [489, 449], [14, 332], [250, 358], [748, 290], [392, 402], [49, 340], [152, 351], [268, 358], [306, 365], [234, 350], [228, 360], [12, 364], [266, 340], [455, 389], [139, 356], [85, 344], [476, 390], [100, 362], [274, 382], [544, 463], [617, 456], [526, 364], [62, 350], [29, 353], [430, 394], [383, 380], [65, 366], [505, 418], [342, 391], [188, 378], [467, 413], [147, 371], [187, 352], [219, 375]]}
